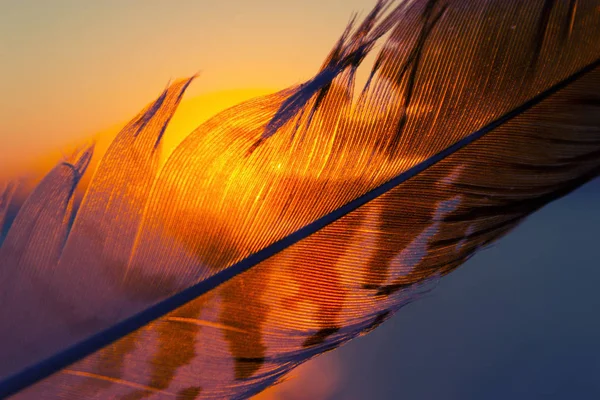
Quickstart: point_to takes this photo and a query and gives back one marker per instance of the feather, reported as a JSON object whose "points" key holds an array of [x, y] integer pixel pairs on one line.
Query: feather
{"points": [[7, 192], [289, 224]]}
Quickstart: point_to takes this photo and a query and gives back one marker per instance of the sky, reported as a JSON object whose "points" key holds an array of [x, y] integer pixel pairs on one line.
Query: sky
{"points": [[517, 321], [72, 68]]}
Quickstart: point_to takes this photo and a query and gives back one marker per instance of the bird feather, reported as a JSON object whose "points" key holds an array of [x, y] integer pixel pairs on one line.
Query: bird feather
{"points": [[289, 224]]}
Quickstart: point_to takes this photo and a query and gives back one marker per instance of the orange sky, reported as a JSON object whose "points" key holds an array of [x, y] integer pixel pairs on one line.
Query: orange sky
{"points": [[73, 68]]}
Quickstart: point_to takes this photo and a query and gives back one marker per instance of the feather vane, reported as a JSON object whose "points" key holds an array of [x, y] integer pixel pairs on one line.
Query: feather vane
{"points": [[292, 223]]}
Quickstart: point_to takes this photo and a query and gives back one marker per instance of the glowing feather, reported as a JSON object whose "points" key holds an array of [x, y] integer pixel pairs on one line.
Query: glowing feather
{"points": [[287, 225]]}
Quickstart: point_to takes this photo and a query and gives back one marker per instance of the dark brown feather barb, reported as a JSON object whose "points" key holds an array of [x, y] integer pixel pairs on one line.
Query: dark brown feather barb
{"points": [[292, 223], [568, 30], [542, 28], [413, 63]]}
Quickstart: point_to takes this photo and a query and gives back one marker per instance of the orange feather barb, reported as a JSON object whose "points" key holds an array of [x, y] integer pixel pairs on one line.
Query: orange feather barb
{"points": [[292, 223]]}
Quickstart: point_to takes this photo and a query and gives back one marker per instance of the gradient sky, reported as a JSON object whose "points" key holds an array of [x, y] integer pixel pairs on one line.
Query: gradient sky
{"points": [[71, 68]]}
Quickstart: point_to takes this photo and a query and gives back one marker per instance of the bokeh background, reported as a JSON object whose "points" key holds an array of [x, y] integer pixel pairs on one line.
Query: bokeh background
{"points": [[518, 321]]}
